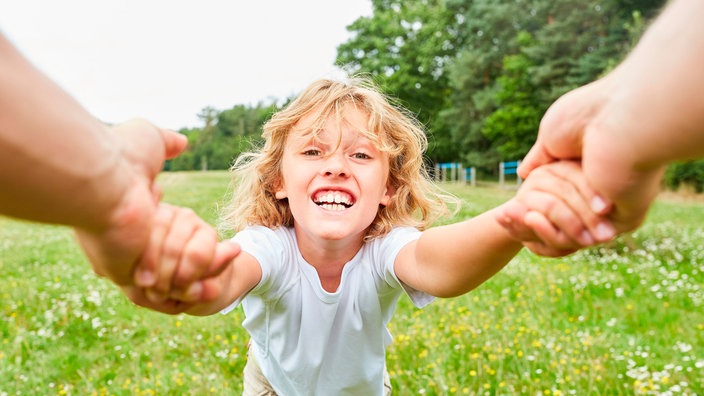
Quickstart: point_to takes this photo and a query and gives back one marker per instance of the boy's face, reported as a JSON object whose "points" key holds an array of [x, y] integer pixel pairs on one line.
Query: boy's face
{"points": [[334, 192]]}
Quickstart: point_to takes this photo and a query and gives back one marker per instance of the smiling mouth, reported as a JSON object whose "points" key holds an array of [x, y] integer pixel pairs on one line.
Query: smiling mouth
{"points": [[333, 200]]}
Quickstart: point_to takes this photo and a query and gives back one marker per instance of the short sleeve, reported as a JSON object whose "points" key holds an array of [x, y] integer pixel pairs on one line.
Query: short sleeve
{"points": [[391, 245], [268, 248]]}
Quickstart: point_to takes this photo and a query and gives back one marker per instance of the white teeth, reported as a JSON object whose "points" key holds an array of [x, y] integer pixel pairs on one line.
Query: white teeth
{"points": [[333, 207], [334, 200]]}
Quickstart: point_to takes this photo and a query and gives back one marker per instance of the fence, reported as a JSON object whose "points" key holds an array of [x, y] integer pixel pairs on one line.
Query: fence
{"points": [[454, 171], [509, 168]]}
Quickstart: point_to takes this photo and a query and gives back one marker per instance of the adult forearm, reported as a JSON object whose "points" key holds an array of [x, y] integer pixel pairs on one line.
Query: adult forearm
{"points": [[59, 164], [650, 112], [655, 101]]}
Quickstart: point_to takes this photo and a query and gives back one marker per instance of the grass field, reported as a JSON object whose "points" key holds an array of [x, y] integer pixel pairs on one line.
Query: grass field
{"points": [[625, 319]]}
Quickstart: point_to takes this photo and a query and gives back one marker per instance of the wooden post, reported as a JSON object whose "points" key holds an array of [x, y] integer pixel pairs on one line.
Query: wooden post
{"points": [[501, 174]]}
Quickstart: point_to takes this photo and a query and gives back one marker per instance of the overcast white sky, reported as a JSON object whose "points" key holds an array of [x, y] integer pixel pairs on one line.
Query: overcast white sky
{"points": [[165, 60]]}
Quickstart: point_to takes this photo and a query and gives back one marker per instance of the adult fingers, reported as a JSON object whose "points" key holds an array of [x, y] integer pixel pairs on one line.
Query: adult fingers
{"points": [[174, 143], [549, 209], [147, 146], [561, 130], [537, 156], [573, 175]]}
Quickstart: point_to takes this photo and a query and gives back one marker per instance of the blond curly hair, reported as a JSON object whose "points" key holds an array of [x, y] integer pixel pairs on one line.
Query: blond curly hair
{"points": [[416, 200]]}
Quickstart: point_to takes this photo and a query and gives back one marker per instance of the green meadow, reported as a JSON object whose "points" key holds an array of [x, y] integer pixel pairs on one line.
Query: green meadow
{"points": [[621, 319]]}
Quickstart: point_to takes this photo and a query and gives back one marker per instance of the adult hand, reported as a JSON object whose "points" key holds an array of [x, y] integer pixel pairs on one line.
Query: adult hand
{"points": [[114, 249], [627, 126], [586, 124]]}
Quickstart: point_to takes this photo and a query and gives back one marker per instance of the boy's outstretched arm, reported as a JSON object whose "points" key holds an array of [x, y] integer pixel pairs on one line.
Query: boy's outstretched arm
{"points": [[451, 260]]}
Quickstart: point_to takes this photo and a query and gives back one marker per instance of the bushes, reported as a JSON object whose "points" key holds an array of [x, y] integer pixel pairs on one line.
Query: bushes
{"points": [[686, 173]]}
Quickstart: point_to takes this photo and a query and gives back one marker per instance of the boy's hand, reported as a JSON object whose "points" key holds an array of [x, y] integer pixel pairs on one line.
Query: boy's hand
{"points": [[181, 262], [555, 212]]}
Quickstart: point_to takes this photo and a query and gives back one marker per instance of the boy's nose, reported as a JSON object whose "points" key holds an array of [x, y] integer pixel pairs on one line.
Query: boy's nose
{"points": [[336, 165]]}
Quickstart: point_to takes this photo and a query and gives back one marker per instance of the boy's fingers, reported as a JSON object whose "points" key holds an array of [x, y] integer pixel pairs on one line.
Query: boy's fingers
{"points": [[146, 271], [547, 251], [155, 297], [157, 192], [546, 231], [199, 292], [182, 227], [206, 287], [510, 216], [210, 290], [197, 256], [586, 203], [139, 297], [190, 294], [225, 252], [568, 201], [557, 213]]}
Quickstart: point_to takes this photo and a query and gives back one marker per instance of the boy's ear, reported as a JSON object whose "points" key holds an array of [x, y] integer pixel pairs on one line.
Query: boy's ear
{"points": [[388, 194], [279, 188]]}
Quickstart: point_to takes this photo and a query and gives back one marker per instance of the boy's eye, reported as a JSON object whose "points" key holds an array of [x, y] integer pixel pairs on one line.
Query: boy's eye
{"points": [[311, 152], [361, 156]]}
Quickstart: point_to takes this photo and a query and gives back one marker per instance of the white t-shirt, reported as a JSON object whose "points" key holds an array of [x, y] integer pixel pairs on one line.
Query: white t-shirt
{"points": [[308, 341]]}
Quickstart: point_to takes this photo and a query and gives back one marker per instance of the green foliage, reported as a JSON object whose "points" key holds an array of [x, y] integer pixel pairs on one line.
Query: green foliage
{"points": [[689, 173], [511, 127], [224, 136], [478, 73], [574, 43], [405, 46]]}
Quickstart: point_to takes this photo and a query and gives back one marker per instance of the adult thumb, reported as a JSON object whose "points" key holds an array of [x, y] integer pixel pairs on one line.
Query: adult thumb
{"points": [[174, 143], [536, 157]]}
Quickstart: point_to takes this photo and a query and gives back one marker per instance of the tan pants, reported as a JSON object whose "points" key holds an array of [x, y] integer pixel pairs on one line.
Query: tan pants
{"points": [[255, 384]]}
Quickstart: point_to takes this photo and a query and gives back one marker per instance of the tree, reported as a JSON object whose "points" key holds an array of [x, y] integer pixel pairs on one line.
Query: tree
{"points": [[686, 173], [500, 84], [224, 136], [488, 31], [404, 46], [511, 127]]}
